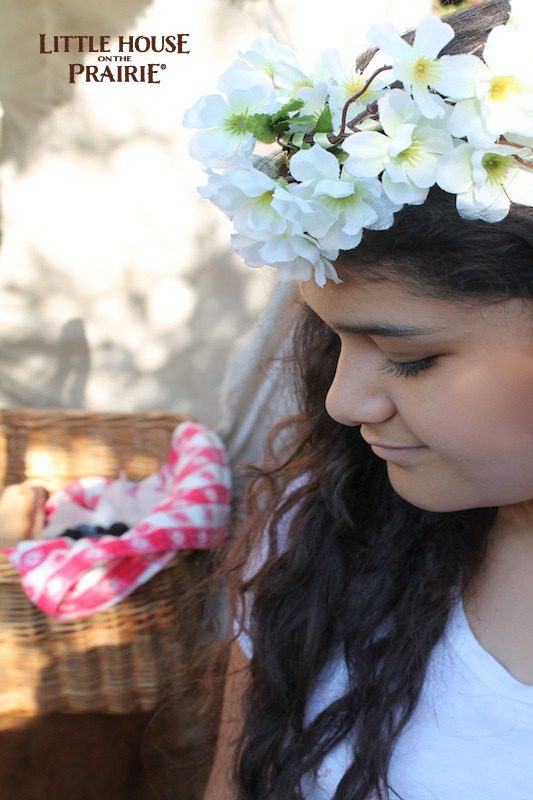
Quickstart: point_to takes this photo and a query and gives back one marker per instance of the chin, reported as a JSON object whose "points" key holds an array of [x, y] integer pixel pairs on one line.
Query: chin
{"points": [[439, 505], [438, 500]]}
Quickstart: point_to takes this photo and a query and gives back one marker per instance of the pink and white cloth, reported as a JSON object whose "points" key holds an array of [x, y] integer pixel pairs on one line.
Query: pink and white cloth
{"points": [[183, 506]]}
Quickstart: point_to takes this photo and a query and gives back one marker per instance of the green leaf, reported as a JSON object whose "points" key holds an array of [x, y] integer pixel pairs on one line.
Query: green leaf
{"points": [[281, 127], [307, 122], [324, 123], [288, 108], [342, 155], [260, 126]]}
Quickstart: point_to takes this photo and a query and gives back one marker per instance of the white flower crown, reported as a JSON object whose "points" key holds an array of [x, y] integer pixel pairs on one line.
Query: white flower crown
{"points": [[352, 150]]}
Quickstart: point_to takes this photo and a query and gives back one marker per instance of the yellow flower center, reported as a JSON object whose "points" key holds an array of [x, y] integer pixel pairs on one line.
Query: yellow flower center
{"points": [[411, 154], [264, 200], [303, 84], [503, 87], [353, 84], [425, 70], [339, 204], [496, 166]]}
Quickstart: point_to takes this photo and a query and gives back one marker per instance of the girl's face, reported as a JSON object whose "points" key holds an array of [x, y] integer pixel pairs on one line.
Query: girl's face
{"points": [[442, 391]]}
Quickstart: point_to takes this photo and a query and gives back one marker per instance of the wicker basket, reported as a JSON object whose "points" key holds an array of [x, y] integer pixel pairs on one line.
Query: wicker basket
{"points": [[120, 660]]}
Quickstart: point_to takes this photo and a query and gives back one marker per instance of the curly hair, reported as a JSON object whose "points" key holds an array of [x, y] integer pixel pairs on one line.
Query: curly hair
{"points": [[361, 571]]}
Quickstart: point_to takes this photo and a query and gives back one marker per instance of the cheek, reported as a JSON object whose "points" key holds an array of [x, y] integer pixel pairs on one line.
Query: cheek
{"points": [[479, 427], [516, 392], [500, 394], [488, 404]]}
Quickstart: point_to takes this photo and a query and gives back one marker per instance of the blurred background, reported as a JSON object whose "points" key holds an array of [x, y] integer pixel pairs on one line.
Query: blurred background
{"points": [[118, 288]]}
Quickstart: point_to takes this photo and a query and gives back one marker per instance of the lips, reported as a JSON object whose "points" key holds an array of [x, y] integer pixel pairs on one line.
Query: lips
{"points": [[396, 453]]}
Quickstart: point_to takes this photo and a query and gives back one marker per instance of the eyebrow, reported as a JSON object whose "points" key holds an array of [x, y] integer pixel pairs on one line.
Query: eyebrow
{"points": [[384, 329]]}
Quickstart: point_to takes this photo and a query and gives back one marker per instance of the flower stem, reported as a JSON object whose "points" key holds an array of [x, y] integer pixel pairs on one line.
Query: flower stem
{"points": [[355, 97], [521, 161], [370, 111]]}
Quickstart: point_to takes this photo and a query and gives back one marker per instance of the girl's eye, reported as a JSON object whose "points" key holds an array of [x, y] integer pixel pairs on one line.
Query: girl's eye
{"points": [[407, 368]]}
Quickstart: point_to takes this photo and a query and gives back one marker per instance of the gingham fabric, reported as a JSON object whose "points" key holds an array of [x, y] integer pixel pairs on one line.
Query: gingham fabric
{"points": [[187, 505]]}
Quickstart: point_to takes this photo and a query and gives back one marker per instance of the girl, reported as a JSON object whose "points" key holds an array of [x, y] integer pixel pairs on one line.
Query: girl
{"points": [[386, 645]]}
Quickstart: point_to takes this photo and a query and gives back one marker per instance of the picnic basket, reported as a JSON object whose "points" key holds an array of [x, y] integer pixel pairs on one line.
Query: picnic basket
{"points": [[120, 660]]}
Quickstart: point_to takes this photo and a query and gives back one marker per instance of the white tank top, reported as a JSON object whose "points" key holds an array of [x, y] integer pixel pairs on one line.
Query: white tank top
{"points": [[470, 737]]}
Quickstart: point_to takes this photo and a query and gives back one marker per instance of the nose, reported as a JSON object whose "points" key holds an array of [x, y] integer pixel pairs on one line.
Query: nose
{"points": [[357, 395]]}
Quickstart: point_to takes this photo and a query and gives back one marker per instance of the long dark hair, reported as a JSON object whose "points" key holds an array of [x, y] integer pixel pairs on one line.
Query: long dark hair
{"points": [[361, 571]]}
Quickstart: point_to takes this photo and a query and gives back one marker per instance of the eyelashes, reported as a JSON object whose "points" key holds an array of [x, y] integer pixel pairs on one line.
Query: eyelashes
{"points": [[407, 368], [404, 369]]}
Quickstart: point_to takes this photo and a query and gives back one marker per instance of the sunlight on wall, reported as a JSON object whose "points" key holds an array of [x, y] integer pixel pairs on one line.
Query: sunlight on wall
{"points": [[118, 288]]}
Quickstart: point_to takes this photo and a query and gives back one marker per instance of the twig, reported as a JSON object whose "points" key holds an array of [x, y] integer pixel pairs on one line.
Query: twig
{"points": [[370, 111], [521, 161], [526, 164], [357, 96]]}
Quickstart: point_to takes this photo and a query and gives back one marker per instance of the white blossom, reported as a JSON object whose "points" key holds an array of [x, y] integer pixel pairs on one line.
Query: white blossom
{"points": [[314, 98], [342, 204], [223, 134], [466, 121], [486, 181], [463, 122], [407, 152], [245, 195], [295, 257], [502, 101], [338, 71], [418, 67], [521, 16], [504, 87], [272, 59]]}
